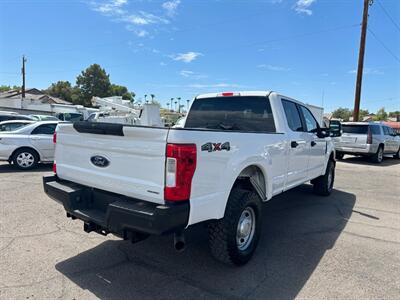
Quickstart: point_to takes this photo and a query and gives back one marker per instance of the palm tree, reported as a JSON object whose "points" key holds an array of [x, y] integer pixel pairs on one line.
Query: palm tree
{"points": [[179, 105], [175, 104], [152, 97], [187, 106], [168, 105], [172, 99], [145, 100]]}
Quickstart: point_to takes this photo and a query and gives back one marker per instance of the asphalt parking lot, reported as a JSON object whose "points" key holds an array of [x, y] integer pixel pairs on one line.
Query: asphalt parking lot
{"points": [[346, 246]]}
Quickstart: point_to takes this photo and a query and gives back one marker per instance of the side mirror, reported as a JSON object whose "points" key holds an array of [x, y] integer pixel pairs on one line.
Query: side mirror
{"points": [[335, 128]]}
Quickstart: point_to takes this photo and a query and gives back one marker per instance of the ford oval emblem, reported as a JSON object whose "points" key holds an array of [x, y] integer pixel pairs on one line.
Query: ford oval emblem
{"points": [[99, 161]]}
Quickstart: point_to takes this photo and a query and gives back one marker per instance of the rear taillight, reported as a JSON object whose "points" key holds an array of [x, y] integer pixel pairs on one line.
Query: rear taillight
{"points": [[55, 137], [55, 167], [369, 136], [179, 171]]}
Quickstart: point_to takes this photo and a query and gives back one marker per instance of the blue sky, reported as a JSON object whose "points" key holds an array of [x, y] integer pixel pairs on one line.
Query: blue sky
{"points": [[306, 49]]}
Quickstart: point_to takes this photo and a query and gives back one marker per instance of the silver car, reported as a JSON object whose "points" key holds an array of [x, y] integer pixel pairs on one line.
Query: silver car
{"points": [[29, 145], [367, 139]]}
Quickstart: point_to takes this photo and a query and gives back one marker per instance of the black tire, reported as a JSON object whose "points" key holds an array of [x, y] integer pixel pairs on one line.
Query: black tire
{"points": [[397, 155], [323, 185], [223, 233], [25, 159], [339, 155], [378, 156]]}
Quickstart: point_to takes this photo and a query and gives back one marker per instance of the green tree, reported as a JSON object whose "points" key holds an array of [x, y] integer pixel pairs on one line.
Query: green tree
{"points": [[381, 115], [342, 113], [6, 88], [394, 114], [61, 89], [362, 113], [94, 81], [120, 90]]}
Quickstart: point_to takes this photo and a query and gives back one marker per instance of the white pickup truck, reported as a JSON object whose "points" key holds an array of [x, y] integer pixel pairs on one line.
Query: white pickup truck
{"points": [[234, 152]]}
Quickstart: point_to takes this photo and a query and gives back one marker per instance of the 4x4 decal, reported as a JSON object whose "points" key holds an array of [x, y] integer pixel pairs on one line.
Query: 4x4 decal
{"points": [[211, 147]]}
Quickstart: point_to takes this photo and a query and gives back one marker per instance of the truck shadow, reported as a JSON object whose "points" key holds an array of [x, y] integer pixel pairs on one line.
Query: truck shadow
{"points": [[298, 229], [9, 168], [359, 160]]}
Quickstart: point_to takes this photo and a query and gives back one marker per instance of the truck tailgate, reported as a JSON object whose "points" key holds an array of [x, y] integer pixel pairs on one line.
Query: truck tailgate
{"points": [[135, 159]]}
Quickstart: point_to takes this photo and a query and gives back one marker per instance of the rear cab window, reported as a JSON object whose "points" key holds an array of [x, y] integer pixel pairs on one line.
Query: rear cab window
{"points": [[235, 113], [355, 129]]}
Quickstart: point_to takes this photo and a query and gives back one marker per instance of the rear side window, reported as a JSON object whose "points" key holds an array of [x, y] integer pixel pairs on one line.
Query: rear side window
{"points": [[238, 113], [355, 129], [45, 129], [292, 115], [387, 130], [375, 129]]}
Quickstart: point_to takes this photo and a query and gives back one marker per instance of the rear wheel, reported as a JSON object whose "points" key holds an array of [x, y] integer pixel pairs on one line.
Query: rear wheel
{"points": [[234, 238], [323, 185], [378, 156], [25, 159], [397, 155]]}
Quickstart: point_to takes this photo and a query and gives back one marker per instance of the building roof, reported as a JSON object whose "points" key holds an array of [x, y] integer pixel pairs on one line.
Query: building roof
{"points": [[394, 125], [33, 94]]}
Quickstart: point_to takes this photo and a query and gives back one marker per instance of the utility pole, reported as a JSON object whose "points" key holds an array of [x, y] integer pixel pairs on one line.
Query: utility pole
{"points": [[23, 76], [360, 68]]}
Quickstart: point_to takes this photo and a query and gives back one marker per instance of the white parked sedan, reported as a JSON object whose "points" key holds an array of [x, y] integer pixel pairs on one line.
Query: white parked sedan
{"points": [[29, 145]]}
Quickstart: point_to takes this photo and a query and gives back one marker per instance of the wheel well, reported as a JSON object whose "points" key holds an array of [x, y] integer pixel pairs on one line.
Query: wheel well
{"points": [[381, 145], [252, 178], [21, 148]]}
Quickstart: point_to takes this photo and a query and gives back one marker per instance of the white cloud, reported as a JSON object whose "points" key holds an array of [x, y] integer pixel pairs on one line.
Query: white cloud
{"points": [[143, 18], [191, 74], [368, 71], [138, 32], [273, 68], [118, 11], [186, 57], [141, 33], [110, 7], [185, 73], [303, 7], [171, 7]]}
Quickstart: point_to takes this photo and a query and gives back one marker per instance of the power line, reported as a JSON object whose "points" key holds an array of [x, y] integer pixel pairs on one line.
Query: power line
{"points": [[387, 14], [383, 45]]}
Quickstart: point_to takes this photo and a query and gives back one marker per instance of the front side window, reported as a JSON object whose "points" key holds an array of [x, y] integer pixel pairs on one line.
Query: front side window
{"points": [[45, 129], [292, 115], [310, 122], [237, 113]]}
